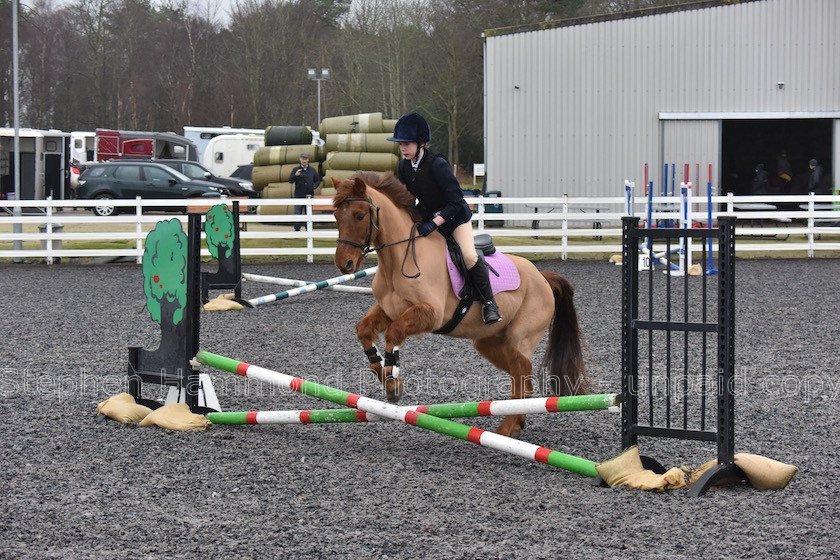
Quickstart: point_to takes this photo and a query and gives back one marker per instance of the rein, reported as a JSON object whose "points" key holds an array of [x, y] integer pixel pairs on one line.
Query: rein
{"points": [[374, 225]]}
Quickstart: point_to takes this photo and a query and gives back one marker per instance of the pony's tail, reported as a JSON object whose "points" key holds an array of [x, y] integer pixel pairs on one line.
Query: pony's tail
{"points": [[563, 361]]}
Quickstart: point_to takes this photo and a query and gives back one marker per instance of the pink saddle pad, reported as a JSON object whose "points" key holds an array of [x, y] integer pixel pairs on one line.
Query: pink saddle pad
{"points": [[508, 278]]}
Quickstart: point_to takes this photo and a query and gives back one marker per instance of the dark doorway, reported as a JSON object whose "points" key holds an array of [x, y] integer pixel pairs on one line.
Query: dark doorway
{"points": [[746, 143], [27, 176], [53, 176]]}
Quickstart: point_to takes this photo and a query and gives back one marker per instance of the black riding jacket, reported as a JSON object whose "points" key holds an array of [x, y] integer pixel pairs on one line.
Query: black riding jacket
{"points": [[436, 190]]}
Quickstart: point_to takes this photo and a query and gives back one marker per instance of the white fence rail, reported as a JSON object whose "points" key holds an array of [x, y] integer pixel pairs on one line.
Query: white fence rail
{"points": [[550, 226]]}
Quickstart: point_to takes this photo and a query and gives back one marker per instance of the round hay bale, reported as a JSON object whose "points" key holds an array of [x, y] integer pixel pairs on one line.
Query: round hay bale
{"points": [[262, 175], [277, 190], [361, 161], [388, 125], [363, 122], [327, 184], [279, 155], [287, 135], [362, 142]]}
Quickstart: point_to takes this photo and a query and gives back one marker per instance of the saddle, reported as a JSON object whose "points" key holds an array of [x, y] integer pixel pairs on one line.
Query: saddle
{"points": [[504, 275]]}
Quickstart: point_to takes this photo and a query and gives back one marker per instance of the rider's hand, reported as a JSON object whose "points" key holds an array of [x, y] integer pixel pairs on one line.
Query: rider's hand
{"points": [[426, 228]]}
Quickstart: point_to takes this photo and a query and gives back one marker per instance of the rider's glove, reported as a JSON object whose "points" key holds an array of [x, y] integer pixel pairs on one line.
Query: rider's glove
{"points": [[426, 228]]}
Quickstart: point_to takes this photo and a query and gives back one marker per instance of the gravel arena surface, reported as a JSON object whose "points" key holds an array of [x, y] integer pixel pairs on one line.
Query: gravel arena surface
{"points": [[79, 487]]}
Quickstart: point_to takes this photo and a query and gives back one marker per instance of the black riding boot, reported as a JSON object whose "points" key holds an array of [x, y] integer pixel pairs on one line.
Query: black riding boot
{"points": [[481, 280]]}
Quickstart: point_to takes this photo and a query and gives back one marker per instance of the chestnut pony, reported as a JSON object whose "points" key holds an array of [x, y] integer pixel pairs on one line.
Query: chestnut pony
{"points": [[414, 295]]}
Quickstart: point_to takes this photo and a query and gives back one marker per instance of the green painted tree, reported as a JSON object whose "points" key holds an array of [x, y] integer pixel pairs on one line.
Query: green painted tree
{"points": [[165, 272], [220, 231]]}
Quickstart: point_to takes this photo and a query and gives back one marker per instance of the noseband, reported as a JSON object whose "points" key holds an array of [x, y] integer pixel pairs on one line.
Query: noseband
{"points": [[374, 224]]}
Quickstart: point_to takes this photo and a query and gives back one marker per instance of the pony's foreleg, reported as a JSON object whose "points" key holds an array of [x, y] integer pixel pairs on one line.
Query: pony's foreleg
{"points": [[416, 319], [506, 357], [367, 331]]}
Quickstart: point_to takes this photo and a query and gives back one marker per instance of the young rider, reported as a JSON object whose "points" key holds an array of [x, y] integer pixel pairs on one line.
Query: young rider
{"points": [[440, 201]]}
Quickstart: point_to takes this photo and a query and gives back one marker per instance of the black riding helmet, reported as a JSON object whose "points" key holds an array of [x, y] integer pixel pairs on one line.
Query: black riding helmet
{"points": [[411, 127]]}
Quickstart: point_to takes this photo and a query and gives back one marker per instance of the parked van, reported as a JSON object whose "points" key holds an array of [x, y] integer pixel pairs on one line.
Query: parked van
{"points": [[226, 152]]}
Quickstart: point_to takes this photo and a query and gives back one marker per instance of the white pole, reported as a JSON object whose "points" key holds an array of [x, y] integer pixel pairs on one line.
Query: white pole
{"points": [[319, 103], [629, 186], [17, 227]]}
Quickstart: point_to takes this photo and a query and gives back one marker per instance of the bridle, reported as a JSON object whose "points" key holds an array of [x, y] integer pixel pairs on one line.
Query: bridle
{"points": [[374, 225]]}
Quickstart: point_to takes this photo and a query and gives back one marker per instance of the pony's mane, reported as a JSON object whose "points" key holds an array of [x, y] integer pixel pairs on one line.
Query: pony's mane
{"points": [[385, 183]]}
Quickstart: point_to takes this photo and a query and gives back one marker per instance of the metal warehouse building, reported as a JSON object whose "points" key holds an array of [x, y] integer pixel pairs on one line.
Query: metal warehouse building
{"points": [[578, 106]]}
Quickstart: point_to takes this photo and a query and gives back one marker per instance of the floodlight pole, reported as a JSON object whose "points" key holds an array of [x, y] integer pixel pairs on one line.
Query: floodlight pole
{"points": [[313, 75]]}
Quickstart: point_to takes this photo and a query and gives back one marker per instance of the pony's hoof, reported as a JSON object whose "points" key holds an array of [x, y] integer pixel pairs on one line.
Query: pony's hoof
{"points": [[393, 389], [514, 432], [511, 427]]}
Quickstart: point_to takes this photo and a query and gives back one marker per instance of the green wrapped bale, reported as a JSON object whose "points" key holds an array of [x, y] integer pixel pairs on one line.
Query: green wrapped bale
{"points": [[362, 142], [361, 161], [263, 175], [287, 135], [363, 122], [277, 190], [279, 155], [340, 174], [325, 190], [388, 125]]}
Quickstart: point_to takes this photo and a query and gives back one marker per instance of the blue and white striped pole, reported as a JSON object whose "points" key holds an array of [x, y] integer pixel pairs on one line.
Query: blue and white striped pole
{"points": [[310, 287]]}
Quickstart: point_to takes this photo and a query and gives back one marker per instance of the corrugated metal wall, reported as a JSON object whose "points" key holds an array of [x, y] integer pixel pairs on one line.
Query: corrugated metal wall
{"points": [[696, 143], [577, 109]]}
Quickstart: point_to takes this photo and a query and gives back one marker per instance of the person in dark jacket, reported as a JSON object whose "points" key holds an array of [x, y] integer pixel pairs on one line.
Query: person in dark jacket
{"points": [[306, 180], [760, 183], [816, 177], [784, 172], [440, 201]]}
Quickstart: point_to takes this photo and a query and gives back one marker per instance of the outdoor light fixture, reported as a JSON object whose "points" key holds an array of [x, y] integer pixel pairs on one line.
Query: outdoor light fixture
{"points": [[312, 74]]}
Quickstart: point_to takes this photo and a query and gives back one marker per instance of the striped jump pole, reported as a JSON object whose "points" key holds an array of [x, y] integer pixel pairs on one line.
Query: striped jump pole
{"points": [[393, 412], [310, 287], [444, 410], [293, 282]]}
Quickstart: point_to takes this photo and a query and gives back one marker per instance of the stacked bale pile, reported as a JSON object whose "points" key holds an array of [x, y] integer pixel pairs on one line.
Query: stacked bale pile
{"points": [[273, 163], [351, 143], [356, 143]]}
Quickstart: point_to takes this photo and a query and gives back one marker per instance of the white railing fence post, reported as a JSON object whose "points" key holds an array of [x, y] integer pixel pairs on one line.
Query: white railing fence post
{"points": [[811, 224], [309, 239], [49, 240], [138, 229], [564, 240]]}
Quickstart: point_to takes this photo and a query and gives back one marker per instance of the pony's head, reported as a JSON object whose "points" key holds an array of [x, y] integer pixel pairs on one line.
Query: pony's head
{"points": [[357, 214]]}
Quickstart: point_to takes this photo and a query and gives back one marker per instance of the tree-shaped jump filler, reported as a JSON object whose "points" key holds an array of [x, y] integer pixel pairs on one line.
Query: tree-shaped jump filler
{"points": [[220, 231], [165, 272]]}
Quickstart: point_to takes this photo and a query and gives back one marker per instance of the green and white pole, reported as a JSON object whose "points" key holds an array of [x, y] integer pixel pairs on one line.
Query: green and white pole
{"points": [[415, 418], [311, 287], [574, 403]]}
